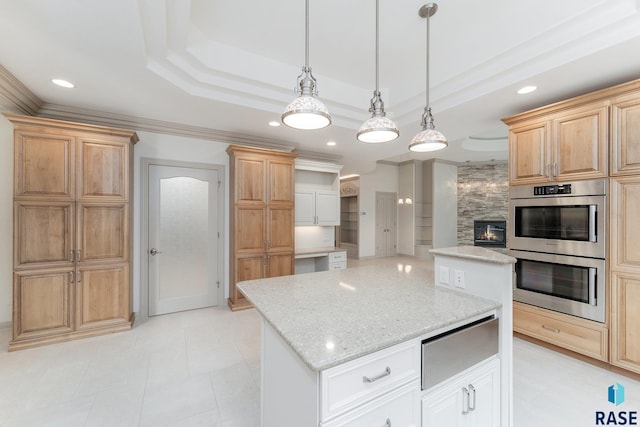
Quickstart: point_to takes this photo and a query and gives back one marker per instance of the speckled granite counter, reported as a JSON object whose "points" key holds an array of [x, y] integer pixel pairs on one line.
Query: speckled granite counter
{"points": [[331, 317], [475, 253]]}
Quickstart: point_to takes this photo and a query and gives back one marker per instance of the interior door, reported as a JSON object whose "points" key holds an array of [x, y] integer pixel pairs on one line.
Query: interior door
{"points": [[386, 230], [183, 238]]}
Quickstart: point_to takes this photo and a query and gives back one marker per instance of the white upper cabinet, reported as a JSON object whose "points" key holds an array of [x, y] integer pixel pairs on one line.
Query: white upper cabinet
{"points": [[317, 208], [317, 193]]}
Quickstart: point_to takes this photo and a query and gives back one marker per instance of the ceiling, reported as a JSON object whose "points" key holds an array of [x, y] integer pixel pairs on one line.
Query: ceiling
{"points": [[229, 66]]}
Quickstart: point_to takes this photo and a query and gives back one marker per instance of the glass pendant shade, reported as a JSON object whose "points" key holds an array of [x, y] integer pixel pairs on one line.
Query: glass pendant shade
{"points": [[377, 128], [428, 140], [306, 112]]}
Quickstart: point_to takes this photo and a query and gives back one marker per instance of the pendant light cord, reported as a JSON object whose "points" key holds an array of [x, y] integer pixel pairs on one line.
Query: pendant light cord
{"points": [[427, 62], [377, 46], [306, 35]]}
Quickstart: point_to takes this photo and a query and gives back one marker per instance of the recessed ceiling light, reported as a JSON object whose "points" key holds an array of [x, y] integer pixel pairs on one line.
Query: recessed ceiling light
{"points": [[274, 124], [63, 83], [526, 89], [331, 143]]}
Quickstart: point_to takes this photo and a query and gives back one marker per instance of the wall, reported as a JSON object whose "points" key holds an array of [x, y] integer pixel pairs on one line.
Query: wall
{"points": [[383, 178], [483, 193], [6, 220]]}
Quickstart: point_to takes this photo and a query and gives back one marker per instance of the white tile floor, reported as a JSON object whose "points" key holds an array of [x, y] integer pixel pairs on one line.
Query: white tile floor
{"points": [[201, 368]]}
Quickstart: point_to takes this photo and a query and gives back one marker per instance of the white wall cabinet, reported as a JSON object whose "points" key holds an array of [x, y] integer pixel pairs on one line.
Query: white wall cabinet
{"points": [[471, 399], [317, 208]]}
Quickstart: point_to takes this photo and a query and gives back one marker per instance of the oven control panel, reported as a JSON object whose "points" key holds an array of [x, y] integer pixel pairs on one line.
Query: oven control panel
{"points": [[545, 190]]}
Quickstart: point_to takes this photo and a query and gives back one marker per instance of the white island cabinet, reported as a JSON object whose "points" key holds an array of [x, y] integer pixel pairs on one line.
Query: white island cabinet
{"points": [[344, 348]]}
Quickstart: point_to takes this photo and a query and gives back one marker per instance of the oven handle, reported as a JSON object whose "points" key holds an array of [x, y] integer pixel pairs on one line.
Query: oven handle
{"points": [[593, 300], [593, 209]]}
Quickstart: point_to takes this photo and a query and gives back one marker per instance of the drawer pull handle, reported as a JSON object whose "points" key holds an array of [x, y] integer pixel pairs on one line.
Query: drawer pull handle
{"points": [[472, 403], [557, 331], [386, 373], [465, 401]]}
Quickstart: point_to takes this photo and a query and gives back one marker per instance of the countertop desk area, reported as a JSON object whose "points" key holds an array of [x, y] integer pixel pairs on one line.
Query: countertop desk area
{"points": [[319, 329]]}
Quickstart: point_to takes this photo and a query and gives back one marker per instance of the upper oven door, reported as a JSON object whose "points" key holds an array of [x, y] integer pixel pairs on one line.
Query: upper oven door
{"points": [[560, 225]]}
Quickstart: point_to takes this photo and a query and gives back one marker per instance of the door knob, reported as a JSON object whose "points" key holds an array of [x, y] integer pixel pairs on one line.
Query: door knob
{"points": [[154, 252]]}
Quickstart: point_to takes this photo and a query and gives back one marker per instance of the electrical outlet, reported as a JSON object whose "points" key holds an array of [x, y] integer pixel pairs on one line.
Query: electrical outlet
{"points": [[444, 275], [459, 279]]}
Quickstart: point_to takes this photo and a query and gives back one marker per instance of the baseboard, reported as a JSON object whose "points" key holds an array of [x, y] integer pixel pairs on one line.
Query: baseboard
{"points": [[5, 325]]}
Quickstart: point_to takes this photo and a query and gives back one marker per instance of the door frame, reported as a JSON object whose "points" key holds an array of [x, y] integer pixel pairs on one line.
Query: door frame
{"points": [[145, 162]]}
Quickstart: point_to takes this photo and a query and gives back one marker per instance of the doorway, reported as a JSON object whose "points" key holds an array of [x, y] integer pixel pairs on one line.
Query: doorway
{"points": [[182, 251], [386, 229]]}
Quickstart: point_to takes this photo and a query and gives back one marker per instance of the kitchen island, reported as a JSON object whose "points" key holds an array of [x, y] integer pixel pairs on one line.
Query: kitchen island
{"points": [[344, 347]]}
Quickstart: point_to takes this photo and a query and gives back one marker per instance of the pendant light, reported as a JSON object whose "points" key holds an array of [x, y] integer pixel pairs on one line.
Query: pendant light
{"points": [[306, 111], [429, 139], [378, 128]]}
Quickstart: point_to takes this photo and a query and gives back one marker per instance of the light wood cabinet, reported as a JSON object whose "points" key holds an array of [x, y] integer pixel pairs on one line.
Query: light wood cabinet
{"points": [[625, 135], [573, 333], [625, 272], [261, 216], [72, 239], [567, 145]]}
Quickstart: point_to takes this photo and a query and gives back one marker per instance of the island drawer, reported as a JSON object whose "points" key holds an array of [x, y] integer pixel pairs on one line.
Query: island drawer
{"points": [[570, 332], [401, 407], [353, 383]]}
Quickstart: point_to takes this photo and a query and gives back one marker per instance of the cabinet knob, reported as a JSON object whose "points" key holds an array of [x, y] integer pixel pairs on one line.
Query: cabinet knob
{"points": [[154, 252]]}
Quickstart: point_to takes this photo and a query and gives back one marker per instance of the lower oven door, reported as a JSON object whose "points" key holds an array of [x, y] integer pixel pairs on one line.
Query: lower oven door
{"points": [[568, 284]]}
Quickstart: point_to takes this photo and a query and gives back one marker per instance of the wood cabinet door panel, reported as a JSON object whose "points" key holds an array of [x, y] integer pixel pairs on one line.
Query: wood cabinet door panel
{"points": [[625, 225], [102, 169], [280, 265], [625, 136], [44, 165], [42, 303], [103, 232], [281, 183], [528, 153], [625, 343], [43, 234], [247, 268], [102, 296], [250, 180], [281, 230], [580, 144], [249, 230]]}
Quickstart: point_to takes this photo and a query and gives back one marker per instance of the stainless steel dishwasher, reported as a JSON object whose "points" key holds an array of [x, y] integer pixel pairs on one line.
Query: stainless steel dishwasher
{"points": [[454, 351]]}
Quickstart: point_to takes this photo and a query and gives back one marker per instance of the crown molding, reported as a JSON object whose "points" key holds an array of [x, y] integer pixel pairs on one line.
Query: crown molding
{"points": [[17, 94], [103, 118]]}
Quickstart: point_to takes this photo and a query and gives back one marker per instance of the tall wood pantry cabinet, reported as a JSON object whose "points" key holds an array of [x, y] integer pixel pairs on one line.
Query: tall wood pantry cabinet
{"points": [[262, 216], [625, 230], [72, 230]]}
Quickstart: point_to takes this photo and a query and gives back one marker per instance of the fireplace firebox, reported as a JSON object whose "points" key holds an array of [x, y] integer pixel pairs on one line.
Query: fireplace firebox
{"points": [[492, 233]]}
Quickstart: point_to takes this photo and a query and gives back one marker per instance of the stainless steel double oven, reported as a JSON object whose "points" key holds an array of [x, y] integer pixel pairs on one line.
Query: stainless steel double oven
{"points": [[557, 233]]}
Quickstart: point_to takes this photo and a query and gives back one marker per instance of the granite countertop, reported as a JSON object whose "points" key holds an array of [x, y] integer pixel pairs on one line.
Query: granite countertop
{"points": [[476, 253], [331, 317]]}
